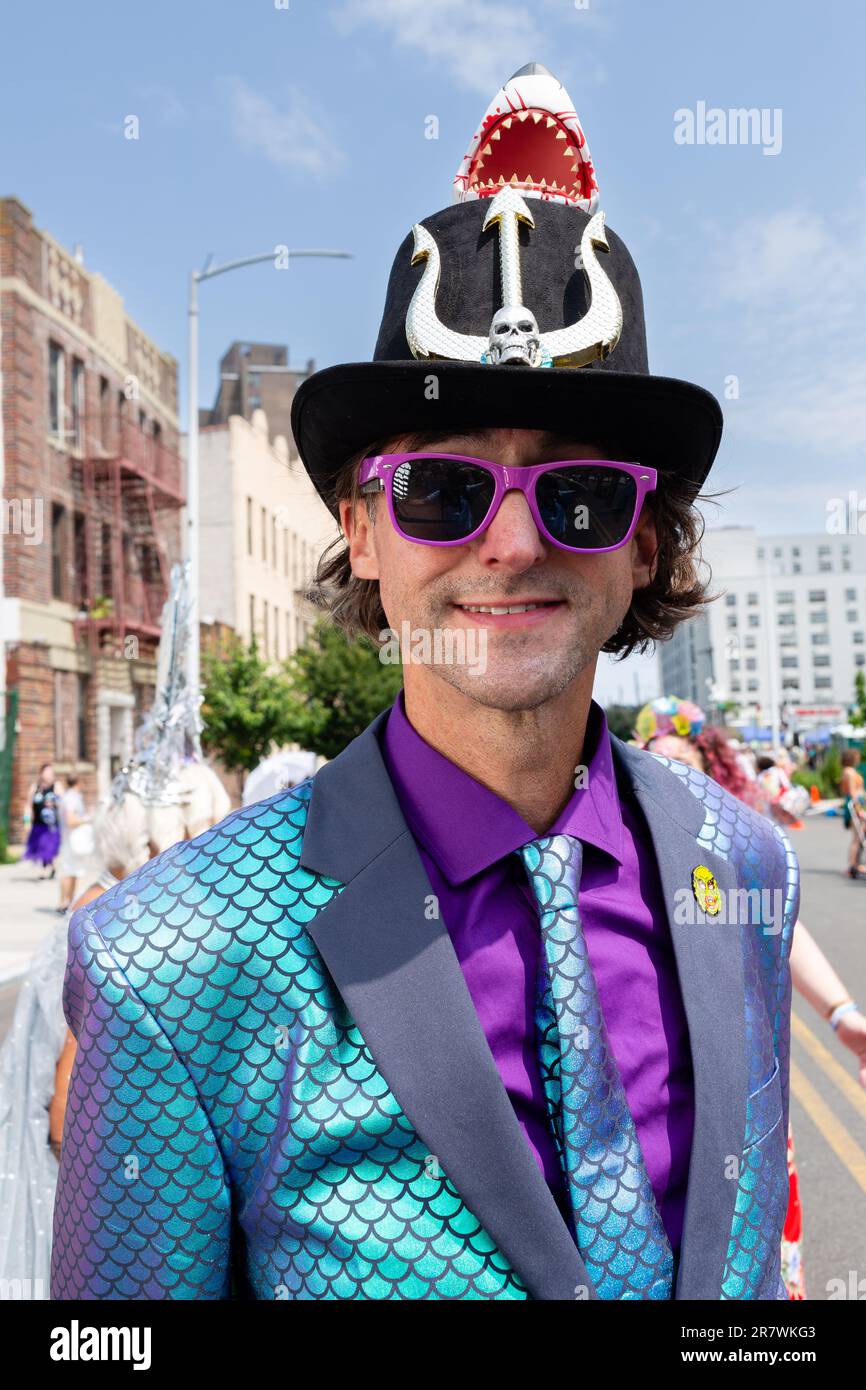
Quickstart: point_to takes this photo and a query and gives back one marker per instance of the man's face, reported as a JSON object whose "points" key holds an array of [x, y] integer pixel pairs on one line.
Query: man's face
{"points": [[532, 656]]}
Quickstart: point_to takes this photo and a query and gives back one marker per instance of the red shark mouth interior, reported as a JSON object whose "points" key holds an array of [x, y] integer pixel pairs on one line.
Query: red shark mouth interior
{"points": [[529, 149]]}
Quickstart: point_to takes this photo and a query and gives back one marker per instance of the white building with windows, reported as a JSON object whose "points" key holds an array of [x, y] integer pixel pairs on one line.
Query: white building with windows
{"points": [[263, 528], [789, 626]]}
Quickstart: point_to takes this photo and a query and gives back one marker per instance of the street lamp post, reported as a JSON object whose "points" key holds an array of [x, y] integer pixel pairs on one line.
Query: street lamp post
{"points": [[191, 548]]}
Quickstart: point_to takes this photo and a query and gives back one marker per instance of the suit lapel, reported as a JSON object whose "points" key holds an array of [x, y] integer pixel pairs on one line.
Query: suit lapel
{"points": [[399, 975], [709, 961]]}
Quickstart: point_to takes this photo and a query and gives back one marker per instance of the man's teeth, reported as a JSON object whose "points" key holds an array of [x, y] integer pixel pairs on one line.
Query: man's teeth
{"points": [[512, 608]]}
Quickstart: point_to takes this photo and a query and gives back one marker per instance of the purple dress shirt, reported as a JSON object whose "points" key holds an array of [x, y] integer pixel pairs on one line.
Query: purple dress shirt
{"points": [[465, 835]]}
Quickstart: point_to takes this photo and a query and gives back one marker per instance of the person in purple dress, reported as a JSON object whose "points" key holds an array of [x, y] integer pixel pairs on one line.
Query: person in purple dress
{"points": [[43, 841]]}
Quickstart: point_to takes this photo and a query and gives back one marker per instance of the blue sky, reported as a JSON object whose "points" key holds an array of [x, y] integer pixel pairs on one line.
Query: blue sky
{"points": [[305, 125]]}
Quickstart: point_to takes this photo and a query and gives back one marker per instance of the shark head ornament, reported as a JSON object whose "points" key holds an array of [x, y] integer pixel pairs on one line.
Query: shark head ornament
{"points": [[530, 137]]}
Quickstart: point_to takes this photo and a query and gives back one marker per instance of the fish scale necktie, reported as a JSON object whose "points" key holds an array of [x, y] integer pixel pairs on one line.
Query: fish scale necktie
{"points": [[619, 1231]]}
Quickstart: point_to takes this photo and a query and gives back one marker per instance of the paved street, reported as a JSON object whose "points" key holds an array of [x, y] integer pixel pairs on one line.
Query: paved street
{"points": [[828, 1107], [27, 915]]}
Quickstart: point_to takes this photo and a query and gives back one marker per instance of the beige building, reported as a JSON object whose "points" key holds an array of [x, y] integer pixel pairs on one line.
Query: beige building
{"points": [[263, 528]]}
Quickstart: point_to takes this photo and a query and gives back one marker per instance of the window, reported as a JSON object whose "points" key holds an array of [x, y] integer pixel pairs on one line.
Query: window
{"points": [[824, 567], [58, 527], [787, 639], [796, 567], [751, 664], [264, 535], [817, 595], [749, 642], [736, 687], [795, 550], [252, 617], [265, 647], [820, 659], [730, 600], [754, 620], [820, 639], [857, 639], [860, 658], [824, 550], [77, 393], [753, 685], [818, 615], [735, 663], [249, 526], [851, 615], [823, 682], [850, 595], [791, 662], [786, 619], [79, 559], [791, 683], [777, 553], [785, 596], [104, 410], [55, 389], [83, 692], [752, 600], [286, 551], [732, 620], [274, 560]]}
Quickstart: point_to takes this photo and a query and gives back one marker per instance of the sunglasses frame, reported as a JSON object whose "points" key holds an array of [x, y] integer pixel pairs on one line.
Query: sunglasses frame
{"points": [[381, 468]]}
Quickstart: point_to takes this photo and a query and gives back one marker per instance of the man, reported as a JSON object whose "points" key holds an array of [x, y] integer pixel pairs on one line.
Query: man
{"points": [[434, 1023]]}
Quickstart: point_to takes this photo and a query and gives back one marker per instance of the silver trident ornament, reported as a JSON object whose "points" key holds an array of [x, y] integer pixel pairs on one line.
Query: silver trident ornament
{"points": [[514, 337]]}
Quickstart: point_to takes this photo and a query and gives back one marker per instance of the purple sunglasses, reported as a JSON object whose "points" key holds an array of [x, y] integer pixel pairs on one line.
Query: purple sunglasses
{"points": [[583, 505]]}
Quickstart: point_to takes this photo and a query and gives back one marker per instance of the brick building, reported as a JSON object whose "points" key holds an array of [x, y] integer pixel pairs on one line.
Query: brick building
{"points": [[91, 494], [256, 376]]}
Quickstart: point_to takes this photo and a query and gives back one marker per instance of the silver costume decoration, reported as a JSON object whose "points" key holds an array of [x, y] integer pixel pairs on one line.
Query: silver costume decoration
{"points": [[170, 734], [592, 337]]}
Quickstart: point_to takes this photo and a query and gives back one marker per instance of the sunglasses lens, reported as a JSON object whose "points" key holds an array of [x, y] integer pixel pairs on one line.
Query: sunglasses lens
{"points": [[588, 508], [438, 500]]}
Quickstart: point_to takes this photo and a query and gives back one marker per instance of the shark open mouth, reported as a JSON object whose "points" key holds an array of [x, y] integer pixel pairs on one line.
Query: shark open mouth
{"points": [[533, 150], [530, 137]]}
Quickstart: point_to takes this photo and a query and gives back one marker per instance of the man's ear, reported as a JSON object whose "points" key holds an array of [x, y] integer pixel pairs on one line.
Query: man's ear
{"points": [[644, 550], [358, 529]]}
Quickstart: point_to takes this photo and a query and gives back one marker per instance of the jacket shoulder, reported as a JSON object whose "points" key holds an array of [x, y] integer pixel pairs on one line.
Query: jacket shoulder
{"points": [[218, 894]]}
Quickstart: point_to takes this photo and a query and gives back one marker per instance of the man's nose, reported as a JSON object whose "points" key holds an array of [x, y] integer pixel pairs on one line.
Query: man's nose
{"points": [[512, 539]]}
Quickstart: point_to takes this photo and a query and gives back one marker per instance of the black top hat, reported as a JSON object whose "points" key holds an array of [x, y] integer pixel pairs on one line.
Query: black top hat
{"points": [[456, 352]]}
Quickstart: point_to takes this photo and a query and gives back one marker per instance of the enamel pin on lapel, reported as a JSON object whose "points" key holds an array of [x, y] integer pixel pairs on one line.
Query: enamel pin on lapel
{"points": [[706, 890]]}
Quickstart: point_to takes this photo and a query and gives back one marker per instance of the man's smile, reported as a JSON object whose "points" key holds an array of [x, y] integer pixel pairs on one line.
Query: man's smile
{"points": [[514, 613]]}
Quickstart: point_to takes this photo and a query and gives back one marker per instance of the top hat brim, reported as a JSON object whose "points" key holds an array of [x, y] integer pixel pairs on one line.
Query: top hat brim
{"points": [[668, 424]]}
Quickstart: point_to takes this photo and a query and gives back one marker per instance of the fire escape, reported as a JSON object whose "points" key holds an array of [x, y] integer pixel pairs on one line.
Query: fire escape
{"points": [[128, 480]]}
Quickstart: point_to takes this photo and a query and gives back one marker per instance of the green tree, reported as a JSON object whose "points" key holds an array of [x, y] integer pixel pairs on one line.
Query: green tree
{"points": [[858, 714], [338, 687], [247, 708], [621, 720]]}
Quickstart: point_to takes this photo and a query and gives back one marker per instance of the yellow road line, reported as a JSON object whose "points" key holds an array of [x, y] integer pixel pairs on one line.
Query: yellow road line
{"points": [[844, 1146], [839, 1075]]}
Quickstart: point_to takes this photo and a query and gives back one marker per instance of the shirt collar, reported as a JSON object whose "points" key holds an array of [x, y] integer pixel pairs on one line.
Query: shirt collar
{"points": [[485, 828]]}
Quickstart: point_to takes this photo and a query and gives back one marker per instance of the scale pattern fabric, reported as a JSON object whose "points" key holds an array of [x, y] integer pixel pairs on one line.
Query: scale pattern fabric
{"points": [[765, 862], [619, 1230], [225, 1113]]}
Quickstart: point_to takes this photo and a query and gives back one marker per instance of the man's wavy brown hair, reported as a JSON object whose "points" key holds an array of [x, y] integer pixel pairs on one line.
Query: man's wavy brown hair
{"points": [[677, 591]]}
